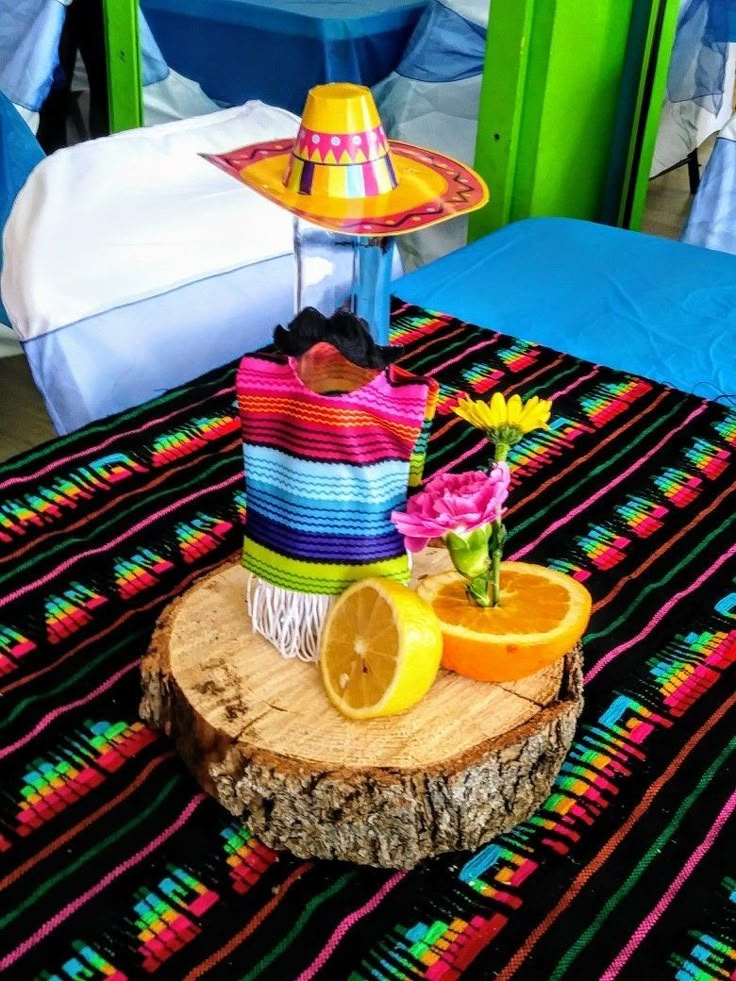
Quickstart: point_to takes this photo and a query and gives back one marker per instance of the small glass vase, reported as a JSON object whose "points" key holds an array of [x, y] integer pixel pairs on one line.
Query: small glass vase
{"points": [[348, 271]]}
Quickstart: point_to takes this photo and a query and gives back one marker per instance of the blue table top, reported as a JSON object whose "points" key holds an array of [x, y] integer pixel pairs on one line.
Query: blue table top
{"points": [[630, 301], [328, 19], [276, 50]]}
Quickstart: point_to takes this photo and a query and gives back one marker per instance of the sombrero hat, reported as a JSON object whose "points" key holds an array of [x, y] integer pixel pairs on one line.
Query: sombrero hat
{"points": [[343, 174]]}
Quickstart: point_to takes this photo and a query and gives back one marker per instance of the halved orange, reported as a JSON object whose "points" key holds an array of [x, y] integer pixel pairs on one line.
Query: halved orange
{"points": [[541, 616], [380, 649]]}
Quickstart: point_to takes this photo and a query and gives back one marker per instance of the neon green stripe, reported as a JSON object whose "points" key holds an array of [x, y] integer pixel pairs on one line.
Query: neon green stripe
{"points": [[89, 854], [641, 866], [642, 594], [71, 680], [311, 906], [328, 579]]}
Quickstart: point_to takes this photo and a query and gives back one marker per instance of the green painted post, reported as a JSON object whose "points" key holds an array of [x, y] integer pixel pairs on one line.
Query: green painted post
{"points": [[123, 64], [548, 107], [650, 100], [501, 107]]}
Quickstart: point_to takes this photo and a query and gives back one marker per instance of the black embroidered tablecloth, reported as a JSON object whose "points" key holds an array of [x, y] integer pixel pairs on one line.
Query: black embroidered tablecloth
{"points": [[113, 864]]}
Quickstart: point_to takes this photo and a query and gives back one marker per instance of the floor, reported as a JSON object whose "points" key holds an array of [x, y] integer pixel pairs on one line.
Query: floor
{"points": [[23, 419], [668, 201]]}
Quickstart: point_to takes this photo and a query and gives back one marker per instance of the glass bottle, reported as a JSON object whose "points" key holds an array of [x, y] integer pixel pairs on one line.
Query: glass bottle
{"points": [[353, 271]]}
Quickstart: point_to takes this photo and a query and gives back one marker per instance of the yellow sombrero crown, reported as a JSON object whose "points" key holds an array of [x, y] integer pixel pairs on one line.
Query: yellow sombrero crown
{"points": [[342, 173], [341, 150]]}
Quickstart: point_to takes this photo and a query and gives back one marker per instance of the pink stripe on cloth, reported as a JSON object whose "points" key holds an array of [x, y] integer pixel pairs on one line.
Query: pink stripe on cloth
{"points": [[113, 543], [22, 949], [455, 463], [576, 384], [604, 490], [272, 430], [682, 876], [281, 397], [63, 709], [65, 460], [598, 667], [349, 921]]}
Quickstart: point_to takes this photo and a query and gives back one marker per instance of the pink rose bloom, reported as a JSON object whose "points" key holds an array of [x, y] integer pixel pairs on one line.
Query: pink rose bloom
{"points": [[459, 502]]}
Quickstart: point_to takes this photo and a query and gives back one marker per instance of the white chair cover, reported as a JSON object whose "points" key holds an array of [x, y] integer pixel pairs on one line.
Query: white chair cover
{"points": [[117, 258]]}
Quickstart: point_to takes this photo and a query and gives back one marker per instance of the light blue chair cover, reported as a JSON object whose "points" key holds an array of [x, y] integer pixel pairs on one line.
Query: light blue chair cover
{"points": [[19, 154], [153, 64], [712, 219], [444, 47], [29, 47], [698, 66], [709, 25], [29, 53]]}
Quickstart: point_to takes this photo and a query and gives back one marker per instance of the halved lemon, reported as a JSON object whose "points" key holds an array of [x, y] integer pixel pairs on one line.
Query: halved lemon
{"points": [[541, 616], [380, 651]]}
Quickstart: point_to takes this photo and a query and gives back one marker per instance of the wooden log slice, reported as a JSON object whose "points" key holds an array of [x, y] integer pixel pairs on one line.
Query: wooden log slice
{"points": [[471, 760]]}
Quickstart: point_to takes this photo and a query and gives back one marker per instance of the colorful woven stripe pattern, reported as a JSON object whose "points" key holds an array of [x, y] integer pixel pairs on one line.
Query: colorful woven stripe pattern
{"points": [[324, 471], [345, 165], [113, 864]]}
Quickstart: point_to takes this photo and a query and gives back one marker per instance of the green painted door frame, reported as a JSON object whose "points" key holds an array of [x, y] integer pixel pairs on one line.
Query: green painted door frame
{"points": [[123, 64], [647, 114], [555, 75]]}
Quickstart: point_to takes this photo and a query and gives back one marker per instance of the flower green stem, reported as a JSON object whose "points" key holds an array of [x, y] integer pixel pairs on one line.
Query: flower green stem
{"points": [[496, 577], [478, 591], [500, 453], [496, 543]]}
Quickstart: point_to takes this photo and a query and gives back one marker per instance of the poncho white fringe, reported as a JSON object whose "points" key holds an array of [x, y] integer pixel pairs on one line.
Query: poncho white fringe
{"points": [[291, 621]]}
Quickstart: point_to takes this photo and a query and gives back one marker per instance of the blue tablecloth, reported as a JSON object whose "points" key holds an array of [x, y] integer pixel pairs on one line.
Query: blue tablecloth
{"points": [[275, 50], [627, 300]]}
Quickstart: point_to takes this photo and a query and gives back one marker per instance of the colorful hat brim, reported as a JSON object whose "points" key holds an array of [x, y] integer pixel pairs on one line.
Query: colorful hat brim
{"points": [[431, 188]]}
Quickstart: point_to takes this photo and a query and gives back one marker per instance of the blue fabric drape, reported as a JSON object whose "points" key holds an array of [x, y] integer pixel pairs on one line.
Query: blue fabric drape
{"points": [[29, 49], [712, 219], [698, 66], [153, 64], [19, 154], [444, 47]]}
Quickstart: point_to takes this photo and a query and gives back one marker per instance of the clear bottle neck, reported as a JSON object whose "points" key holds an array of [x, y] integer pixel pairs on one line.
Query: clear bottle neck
{"points": [[349, 271]]}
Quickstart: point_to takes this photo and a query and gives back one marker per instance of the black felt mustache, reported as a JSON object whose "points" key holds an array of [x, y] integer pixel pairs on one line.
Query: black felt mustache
{"points": [[347, 332]]}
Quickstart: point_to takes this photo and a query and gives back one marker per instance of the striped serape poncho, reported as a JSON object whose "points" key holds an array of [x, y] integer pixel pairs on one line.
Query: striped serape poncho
{"points": [[330, 449]]}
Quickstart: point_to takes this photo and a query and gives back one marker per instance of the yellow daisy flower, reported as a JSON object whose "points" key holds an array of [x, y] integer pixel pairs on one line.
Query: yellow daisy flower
{"points": [[504, 421], [477, 413], [535, 414]]}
